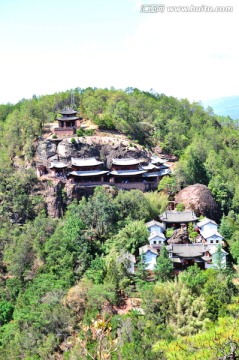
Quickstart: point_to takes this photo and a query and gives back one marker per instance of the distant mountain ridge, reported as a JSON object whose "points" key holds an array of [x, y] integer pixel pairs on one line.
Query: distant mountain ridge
{"points": [[224, 106]]}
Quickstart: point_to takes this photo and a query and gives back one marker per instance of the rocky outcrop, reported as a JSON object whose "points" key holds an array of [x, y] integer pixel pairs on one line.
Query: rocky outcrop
{"points": [[180, 236], [46, 150], [104, 148], [199, 199]]}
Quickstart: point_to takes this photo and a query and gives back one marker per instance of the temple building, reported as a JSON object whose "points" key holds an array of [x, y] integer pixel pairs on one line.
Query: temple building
{"points": [[211, 237], [156, 240], [155, 226], [205, 256], [155, 176], [208, 230], [125, 164], [87, 170], [149, 256], [207, 224], [68, 122], [155, 170], [126, 171], [85, 164]]}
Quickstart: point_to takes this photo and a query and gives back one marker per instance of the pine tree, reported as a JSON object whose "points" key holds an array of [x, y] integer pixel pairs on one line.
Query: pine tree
{"points": [[187, 314]]}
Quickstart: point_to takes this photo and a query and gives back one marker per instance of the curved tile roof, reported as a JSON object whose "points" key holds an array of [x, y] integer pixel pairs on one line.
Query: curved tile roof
{"points": [[178, 216], [129, 161], [127, 172], [88, 173], [85, 161]]}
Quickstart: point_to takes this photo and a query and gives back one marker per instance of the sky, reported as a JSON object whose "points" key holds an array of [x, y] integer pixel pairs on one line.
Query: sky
{"points": [[48, 46]]}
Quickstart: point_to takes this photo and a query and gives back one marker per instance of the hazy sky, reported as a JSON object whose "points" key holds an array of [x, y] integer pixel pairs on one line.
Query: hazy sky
{"points": [[54, 45]]}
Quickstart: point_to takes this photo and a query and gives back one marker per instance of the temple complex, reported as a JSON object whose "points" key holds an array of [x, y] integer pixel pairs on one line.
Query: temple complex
{"points": [[126, 173]]}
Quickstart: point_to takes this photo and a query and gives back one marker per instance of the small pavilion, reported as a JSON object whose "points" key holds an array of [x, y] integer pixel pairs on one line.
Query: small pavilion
{"points": [[58, 168]]}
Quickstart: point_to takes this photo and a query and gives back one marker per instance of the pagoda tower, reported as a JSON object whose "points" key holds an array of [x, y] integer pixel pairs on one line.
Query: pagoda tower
{"points": [[68, 122]]}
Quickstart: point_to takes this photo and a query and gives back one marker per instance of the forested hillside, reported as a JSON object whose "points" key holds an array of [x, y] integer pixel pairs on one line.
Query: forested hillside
{"points": [[64, 292]]}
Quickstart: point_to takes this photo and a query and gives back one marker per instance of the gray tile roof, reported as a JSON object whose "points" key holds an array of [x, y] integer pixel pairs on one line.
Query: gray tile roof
{"points": [[127, 172], [155, 234], [149, 167], [157, 160], [127, 161], [210, 233], [145, 248], [67, 111], [88, 173], [127, 256], [68, 118], [206, 221], [154, 222], [187, 250], [85, 161], [57, 165], [178, 217], [161, 172]]}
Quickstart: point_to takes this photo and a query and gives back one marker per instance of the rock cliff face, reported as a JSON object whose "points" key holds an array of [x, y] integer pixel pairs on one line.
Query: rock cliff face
{"points": [[53, 195], [199, 199], [104, 148]]}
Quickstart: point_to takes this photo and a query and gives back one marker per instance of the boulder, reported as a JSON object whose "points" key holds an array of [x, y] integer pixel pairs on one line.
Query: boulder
{"points": [[66, 149], [199, 198]]}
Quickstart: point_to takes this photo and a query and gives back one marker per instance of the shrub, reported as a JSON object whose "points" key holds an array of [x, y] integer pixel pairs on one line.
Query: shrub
{"points": [[169, 232], [193, 235], [89, 132], [180, 207], [73, 140], [80, 132]]}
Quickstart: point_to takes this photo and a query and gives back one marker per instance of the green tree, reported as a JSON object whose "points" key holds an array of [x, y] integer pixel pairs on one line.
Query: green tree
{"points": [[194, 278], [214, 343], [193, 167], [134, 205], [141, 273], [164, 266], [219, 260], [158, 203], [6, 311], [130, 238], [168, 184], [99, 212], [235, 249]]}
